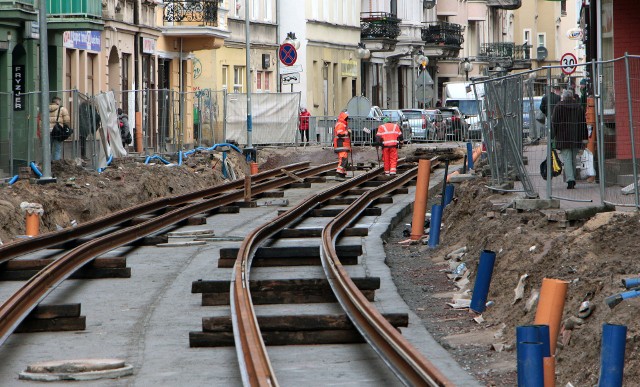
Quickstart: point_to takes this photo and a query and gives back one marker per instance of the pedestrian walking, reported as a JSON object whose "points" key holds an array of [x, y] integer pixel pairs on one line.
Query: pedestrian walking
{"points": [[389, 136], [554, 98], [342, 144], [303, 124], [58, 114], [569, 130]]}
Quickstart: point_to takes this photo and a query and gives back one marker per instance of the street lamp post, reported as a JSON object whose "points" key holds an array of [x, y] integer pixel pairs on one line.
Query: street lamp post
{"points": [[362, 53], [467, 66]]}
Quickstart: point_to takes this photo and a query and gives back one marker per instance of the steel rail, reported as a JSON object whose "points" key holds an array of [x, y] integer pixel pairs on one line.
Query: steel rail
{"points": [[408, 364], [25, 299], [255, 366], [42, 241]]}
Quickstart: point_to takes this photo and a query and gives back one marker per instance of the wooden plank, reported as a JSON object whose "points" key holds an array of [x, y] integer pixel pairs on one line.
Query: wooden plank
{"points": [[292, 251], [108, 262], [383, 200], [61, 324], [316, 179], [317, 232], [270, 194], [45, 311], [195, 220], [224, 210], [372, 183], [295, 323], [340, 201], [95, 273], [333, 212], [200, 286], [298, 185], [400, 191], [286, 297], [357, 191], [291, 261], [249, 204]]}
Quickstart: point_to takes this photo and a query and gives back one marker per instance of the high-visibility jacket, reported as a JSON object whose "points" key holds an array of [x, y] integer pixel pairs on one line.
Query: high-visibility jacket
{"points": [[389, 135], [341, 139]]}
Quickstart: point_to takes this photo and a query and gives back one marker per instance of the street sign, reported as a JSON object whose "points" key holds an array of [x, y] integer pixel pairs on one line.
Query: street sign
{"points": [[290, 79], [287, 54], [568, 63], [290, 69]]}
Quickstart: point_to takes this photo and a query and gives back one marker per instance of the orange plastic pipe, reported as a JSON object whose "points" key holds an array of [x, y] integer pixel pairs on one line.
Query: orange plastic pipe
{"points": [[451, 174], [138, 132], [549, 367], [254, 168], [33, 224], [477, 151], [420, 202], [550, 307]]}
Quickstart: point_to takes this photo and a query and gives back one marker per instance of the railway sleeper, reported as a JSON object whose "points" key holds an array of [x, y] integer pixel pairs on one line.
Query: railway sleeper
{"points": [[316, 232], [101, 267], [289, 330], [290, 256], [53, 318], [270, 194], [333, 212], [282, 291], [345, 201]]}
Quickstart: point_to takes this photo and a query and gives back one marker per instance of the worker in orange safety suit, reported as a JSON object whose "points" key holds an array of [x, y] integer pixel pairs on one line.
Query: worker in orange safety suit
{"points": [[389, 136], [342, 143]]}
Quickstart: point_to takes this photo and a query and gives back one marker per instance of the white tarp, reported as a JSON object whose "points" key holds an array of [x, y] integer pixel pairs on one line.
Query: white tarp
{"points": [[274, 118], [106, 104]]}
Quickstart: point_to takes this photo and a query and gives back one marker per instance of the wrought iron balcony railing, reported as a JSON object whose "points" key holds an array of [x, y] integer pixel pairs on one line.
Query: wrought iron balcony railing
{"points": [[379, 25], [505, 50], [192, 11], [443, 33]]}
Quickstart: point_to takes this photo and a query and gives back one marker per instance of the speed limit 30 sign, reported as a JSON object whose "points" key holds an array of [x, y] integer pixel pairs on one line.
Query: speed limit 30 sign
{"points": [[568, 63]]}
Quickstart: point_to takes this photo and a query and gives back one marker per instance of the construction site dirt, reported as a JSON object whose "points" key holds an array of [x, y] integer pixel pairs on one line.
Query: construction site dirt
{"points": [[593, 255]]}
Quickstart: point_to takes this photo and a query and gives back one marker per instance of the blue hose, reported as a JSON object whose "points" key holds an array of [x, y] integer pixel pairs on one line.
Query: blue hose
{"points": [[434, 227], [483, 280], [13, 179], [631, 282], [614, 338], [530, 365], [35, 169]]}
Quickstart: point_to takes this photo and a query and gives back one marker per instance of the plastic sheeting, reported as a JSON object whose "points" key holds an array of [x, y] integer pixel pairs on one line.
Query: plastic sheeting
{"points": [[274, 118], [106, 104]]}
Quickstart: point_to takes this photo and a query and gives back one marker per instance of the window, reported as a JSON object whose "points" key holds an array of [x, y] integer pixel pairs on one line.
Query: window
{"points": [[563, 7], [236, 8], [238, 78], [259, 81], [526, 40], [255, 11], [225, 77], [267, 75], [91, 59], [267, 10], [542, 40]]}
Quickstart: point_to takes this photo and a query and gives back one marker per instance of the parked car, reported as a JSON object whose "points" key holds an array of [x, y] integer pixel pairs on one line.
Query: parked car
{"points": [[456, 127], [419, 121], [397, 116], [526, 119]]}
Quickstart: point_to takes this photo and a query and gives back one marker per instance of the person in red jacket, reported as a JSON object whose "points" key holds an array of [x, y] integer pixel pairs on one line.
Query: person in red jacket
{"points": [[303, 125], [342, 143], [389, 136]]}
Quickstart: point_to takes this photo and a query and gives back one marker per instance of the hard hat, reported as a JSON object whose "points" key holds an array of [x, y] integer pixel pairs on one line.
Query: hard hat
{"points": [[386, 119]]}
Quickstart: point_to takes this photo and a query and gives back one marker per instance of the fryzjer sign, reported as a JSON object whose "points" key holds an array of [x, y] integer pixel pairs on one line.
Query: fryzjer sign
{"points": [[82, 40], [18, 87]]}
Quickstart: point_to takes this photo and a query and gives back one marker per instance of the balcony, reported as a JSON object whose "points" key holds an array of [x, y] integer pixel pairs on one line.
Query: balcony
{"points": [[23, 10], [74, 15], [504, 4], [507, 55], [442, 39], [379, 30], [195, 22]]}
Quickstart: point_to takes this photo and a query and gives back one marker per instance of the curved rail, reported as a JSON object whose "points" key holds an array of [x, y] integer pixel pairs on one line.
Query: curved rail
{"points": [[255, 367], [18, 306], [54, 238], [409, 365]]}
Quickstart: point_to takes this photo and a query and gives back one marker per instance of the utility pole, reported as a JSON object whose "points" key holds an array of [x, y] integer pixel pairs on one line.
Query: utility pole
{"points": [[44, 90], [249, 152]]}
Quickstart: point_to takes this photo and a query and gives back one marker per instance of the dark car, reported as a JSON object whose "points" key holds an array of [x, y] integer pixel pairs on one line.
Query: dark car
{"points": [[456, 126]]}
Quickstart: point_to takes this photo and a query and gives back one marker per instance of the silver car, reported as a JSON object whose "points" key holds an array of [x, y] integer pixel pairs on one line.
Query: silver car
{"points": [[397, 116]]}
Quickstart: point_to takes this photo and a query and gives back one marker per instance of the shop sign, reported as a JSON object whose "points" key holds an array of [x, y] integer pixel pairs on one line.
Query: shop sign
{"points": [[349, 68], [82, 40], [148, 46], [18, 87]]}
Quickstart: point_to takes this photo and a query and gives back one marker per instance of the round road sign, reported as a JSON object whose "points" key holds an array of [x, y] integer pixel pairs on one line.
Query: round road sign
{"points": [[287, 54], [568, 63]]}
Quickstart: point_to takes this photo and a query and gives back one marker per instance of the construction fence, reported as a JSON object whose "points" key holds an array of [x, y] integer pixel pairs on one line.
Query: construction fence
{"points": [[591, 123], [161, 122]]}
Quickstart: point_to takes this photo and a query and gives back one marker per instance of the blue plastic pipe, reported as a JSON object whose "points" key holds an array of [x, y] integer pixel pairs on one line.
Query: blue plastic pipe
{"points": [[483, 279], [35, 169], [530, 365], [534, 334], [180, 158], [612, 355], [448, 194], [469, 156], [434, 227], [13, 179], [631, 282]]}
